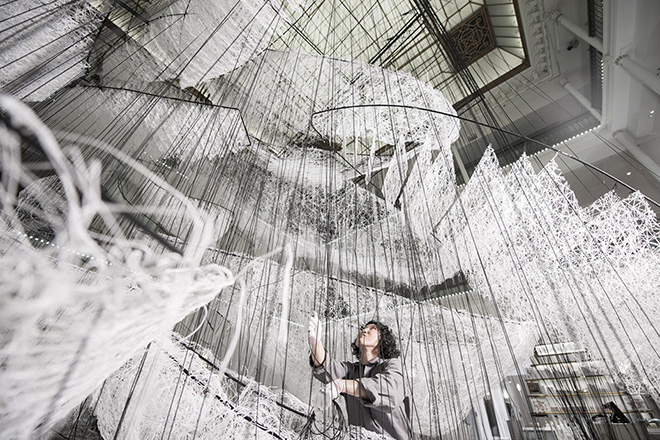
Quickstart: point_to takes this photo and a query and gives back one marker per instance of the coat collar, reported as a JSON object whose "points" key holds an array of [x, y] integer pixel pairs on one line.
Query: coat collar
{"points": [[374, 361]]}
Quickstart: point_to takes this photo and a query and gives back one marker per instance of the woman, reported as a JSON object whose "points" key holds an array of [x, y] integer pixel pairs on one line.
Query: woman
{"points": [[373, 387]]}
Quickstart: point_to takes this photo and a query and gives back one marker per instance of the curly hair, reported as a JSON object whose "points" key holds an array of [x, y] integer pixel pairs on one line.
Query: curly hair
{"points": [[386, 342]]}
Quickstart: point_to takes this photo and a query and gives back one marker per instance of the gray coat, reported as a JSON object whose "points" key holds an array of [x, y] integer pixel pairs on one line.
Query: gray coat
{"points": [[385, 412]]}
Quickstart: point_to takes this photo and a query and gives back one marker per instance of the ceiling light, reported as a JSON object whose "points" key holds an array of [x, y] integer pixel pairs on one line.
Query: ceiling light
{"points": [[651, 113], [628, 173]]}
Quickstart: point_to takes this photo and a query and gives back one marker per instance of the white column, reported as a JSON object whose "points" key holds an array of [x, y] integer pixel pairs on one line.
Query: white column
{"points": [[461, 165], [638, 72], [629, 143], [482, 425], [582, 99], [577, 30], [500, 411]]}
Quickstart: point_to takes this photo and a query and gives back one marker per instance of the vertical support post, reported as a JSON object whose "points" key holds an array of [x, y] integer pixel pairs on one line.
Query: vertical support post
{"points": [[481, 423], [461, 165], [501, 413]]}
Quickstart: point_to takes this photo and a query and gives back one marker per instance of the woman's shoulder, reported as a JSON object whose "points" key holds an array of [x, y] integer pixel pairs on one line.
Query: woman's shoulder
{"points": [[393, 362]]}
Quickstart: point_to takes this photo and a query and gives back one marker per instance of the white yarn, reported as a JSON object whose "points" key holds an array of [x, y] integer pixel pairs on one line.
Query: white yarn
{"points": [[73, 312]]}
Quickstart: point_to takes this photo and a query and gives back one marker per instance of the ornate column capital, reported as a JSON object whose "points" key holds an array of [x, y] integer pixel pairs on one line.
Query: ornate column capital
{"points": [[554, 15], [619, 58]]}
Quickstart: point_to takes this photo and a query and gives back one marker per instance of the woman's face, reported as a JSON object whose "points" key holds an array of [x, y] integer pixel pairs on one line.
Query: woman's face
{"points": [[368, 337]]}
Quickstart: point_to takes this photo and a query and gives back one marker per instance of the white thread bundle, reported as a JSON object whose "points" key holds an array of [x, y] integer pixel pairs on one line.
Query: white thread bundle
{"points": [[73, 312]]}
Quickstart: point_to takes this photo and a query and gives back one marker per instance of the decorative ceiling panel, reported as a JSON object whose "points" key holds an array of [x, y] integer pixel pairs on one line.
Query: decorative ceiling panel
{"points": [[471, 39]]}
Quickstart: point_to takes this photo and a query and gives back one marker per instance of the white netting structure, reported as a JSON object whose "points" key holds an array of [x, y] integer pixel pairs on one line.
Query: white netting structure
{"points": [[206, 402], [423, 185], [388, 106], [130, 65], [336, 100], [147, 126], [45, 45], [369, 223], [587, 275], [196, 41], [73, 311]]}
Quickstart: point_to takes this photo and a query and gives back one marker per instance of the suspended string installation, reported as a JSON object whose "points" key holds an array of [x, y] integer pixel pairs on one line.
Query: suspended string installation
{"points": [[183, 182]]}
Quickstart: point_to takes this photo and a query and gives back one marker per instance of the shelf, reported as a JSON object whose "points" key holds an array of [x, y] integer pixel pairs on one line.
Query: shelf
{"points": [[560, 386], [544, 414], [604, 393], [564, 377], [562, 363]]}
